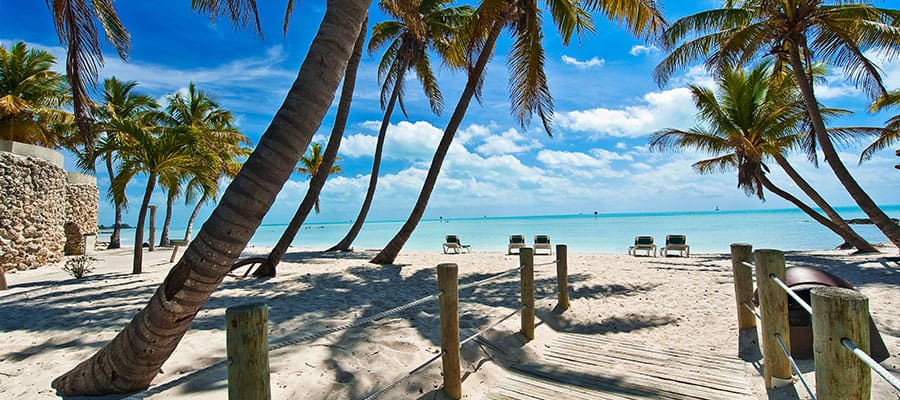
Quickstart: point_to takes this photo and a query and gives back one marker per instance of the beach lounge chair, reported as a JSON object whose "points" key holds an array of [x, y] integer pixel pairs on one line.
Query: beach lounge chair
{"points": [[515, 242], [542, 242], [642, 243], [452, 244], [676, 243]]}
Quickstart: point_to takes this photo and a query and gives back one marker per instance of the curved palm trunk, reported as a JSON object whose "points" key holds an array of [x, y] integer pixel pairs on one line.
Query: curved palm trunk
{"points": [[139, 229], [851, 237], [347, 241], [392, 249], [114, 239], [167, 222], [807, 209], [190, 224], [890, 229], [132, 359], [318, 180]]}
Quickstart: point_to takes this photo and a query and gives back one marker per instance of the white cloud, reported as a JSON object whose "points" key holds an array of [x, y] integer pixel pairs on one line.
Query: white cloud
{"points": [[592, 63], [405, 140], [576, 164], [638, 49], [508, 142], [667, 109]]}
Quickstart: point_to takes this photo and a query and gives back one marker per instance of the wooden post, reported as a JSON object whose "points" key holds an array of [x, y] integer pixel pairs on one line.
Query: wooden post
{"points": [[152, 228], [840, 313], [774, 312], [562, 276], [449, 304], [743, 294], [247, 341], [526, 260]]}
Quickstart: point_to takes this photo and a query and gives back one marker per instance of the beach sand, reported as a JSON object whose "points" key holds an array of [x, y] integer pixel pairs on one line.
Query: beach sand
{"points": [[50, 321]]}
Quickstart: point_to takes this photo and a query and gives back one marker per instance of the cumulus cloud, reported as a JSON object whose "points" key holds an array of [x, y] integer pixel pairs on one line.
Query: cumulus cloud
{"points": [[638, 49], [658, 110], [508, 142], [592, 63], [404, 140]]}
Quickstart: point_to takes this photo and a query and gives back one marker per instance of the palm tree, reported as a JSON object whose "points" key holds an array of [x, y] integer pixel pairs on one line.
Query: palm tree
{"points": [[199, 113], [76, 26], [795, 33], [754, 116], [528, 84], [32, 97], [408, 39], [891, 132], [132, 359], [161, 153], [311, 162], [119, 101]]}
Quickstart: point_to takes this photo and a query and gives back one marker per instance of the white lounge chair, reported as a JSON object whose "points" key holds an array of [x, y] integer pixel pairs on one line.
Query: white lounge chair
{"points": [[516, 242], [452, 244], [642, 243], [542, 242], [676, 243]]}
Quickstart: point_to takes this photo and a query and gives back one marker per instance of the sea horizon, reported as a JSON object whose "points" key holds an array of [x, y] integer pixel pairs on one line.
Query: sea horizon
{"points": [[707, 231]]}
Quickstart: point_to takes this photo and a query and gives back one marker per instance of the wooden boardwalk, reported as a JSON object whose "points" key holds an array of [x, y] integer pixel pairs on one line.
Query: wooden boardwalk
{"points": [[593, 367]]}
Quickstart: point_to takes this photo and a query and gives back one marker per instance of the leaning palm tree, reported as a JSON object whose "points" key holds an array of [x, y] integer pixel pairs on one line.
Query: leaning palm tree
{"points": [[132, 359], [33, 97], [408, 38], [530, 93], [754, 116], [76, 25], [796, 33], [118, 101]]}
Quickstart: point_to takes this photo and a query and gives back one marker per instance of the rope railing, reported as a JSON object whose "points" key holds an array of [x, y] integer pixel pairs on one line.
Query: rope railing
{"points": [[794, 365], [490, 279], [791, 293], [866, 359], [748, 265], [374, 395]]}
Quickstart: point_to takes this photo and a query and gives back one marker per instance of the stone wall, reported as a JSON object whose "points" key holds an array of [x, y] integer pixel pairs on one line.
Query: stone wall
{"points": [[32, 209], [82, 199]]}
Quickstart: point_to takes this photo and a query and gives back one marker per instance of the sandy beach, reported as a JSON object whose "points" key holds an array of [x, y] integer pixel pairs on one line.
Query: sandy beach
{"points": [[50, 321]]}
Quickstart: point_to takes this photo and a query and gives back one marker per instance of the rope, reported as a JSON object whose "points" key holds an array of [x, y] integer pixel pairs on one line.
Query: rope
{"points": [[486, 280], [752, 310], [328, 331], [891, 379], [546, 263], [794, 365], [791, 293], [748, 265], [403, 378], [479, 333]]}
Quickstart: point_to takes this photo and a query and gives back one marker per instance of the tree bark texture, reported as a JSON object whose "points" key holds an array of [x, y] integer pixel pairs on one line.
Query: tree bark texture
{"points": [[167, 221], [132, 359], [138, 259]]}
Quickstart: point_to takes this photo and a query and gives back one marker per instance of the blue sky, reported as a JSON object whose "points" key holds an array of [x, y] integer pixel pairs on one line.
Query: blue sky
{"points": [[606, 106]]}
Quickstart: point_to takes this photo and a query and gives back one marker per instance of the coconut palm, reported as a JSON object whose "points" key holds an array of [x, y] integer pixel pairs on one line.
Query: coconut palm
{"points": [[76, 25], [119, 101], [891, 132], [32, 97], [132, 359], [753, 117], [311, 162], [796, 33], [407, 39], [529, 93]]}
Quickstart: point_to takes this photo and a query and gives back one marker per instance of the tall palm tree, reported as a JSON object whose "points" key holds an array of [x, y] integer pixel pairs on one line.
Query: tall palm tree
{"points": [[754, 116], [528, 84], [119, 101], [796, 33], [32, 97], [76, 25], [132, 359], [324, 168], [199, 113], [407, 38], [160, 153]]}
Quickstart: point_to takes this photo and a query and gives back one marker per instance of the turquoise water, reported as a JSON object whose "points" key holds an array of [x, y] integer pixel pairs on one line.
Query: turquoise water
{"points": [[707, 232]]}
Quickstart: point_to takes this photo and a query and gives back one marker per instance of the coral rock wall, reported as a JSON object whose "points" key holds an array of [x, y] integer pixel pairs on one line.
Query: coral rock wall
{"points": [[82, 199]]}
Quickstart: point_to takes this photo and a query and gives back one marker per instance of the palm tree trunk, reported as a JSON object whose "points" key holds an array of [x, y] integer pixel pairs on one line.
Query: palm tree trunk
{"points": [[139, 229], [807, 209], [851, 236], [132, 359], [316, 183], [167, 221], [890, 229], [190, 224], [347, 241], [392, 249], [114, 239]]}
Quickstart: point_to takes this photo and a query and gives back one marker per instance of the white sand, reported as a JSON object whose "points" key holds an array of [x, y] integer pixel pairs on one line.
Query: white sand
{"points": [[49, 321]]}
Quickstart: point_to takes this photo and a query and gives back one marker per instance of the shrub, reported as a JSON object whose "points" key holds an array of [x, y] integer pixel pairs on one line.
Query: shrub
{"points": [[79, 266]]}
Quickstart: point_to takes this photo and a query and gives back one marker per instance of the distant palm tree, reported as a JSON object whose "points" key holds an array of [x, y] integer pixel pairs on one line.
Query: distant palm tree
{"points": [[133, 358], [32, 97], [76, 25], [753, 116], [118, 102], [431, 26], [310, 163], [891, 132], [796, 33], [529, 91]]}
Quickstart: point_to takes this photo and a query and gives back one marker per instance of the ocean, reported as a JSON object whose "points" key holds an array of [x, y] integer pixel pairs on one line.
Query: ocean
{"points": [[707, 232]]}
